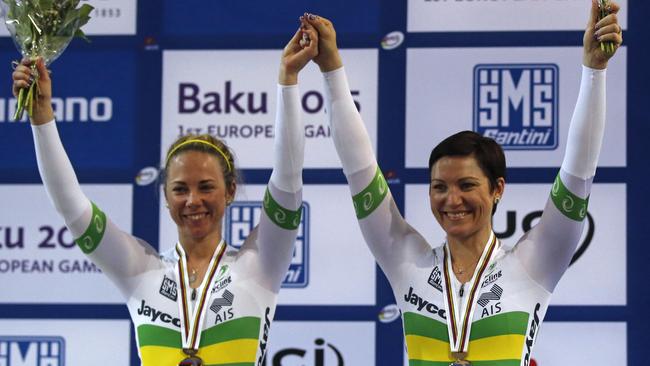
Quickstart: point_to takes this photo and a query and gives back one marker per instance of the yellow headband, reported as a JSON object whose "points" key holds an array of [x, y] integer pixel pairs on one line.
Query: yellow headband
{"points": [[199, 142]]}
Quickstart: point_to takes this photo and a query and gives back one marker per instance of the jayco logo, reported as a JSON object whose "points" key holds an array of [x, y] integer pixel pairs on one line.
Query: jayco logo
{"points": [[33, 350], [241, 219], [517, 105], [421, 304], [156, 315]]}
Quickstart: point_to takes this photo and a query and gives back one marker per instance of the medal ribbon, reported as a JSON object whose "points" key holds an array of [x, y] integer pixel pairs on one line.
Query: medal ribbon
{"points": [[459, 328], [192, 321]]}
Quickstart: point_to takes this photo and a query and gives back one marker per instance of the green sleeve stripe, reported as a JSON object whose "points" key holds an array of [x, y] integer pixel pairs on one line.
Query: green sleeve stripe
{"points": [[366, 201], [90, 239], [284, 218], [568, 203]]}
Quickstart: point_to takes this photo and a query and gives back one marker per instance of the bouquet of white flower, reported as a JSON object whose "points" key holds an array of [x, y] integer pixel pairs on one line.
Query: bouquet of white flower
{"points": [[42, 28]]}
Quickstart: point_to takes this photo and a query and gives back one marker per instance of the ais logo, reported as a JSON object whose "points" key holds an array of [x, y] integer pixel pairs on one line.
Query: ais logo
{"points": [[46, 351], [517, 105], [242, 217]]}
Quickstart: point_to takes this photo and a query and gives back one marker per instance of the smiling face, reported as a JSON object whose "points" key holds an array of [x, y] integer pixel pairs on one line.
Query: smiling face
{"points": [[197, 195], [461, 197]]}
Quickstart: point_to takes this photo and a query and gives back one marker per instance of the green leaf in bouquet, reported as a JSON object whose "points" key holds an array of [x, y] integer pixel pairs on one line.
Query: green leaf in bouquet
{"points": [[69, 24], [45, 4], [84, 14], [82, 35]]}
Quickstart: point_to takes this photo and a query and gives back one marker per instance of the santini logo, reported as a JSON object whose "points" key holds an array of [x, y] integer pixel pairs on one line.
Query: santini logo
{"points": [[517, 105], [242, 217], [19, 351]]}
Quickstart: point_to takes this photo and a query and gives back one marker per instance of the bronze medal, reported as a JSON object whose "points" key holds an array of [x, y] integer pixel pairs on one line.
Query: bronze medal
{"points": [[460, 359], [192, 360]]}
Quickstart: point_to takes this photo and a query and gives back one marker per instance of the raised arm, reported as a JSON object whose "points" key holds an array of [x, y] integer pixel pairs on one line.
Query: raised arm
{"points": [[121, 256], [547, 249], [382, 225], [275, 238]]}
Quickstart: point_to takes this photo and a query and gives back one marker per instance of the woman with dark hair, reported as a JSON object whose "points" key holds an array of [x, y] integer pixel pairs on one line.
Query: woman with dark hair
{"points": [[440, 290], [202, 302]]}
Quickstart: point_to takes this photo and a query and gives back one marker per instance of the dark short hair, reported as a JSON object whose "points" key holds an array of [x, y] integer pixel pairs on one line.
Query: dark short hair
{"points": [[487, 152]]}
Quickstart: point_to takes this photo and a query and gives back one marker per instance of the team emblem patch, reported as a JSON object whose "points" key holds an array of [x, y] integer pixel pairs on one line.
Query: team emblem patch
{"points": [[435, 278], [223, 279], [494, 294], [169, 289], [224, 301]]}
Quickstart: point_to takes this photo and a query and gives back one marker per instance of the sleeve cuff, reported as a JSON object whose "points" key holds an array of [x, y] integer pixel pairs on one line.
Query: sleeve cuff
{"points": [[44, 126]]}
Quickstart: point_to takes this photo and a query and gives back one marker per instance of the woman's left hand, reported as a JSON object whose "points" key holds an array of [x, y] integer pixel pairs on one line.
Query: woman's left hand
{"points": [[603, 30], [301, 49]]}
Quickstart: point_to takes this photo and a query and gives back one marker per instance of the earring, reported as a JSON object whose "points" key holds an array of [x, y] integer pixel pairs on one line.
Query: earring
{"points": [[167, 205], [496, 200]]}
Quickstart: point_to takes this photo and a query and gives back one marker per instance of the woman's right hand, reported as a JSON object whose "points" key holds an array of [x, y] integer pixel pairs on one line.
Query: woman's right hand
{"points": [[22, 77], [328, 58], [297, 54]]}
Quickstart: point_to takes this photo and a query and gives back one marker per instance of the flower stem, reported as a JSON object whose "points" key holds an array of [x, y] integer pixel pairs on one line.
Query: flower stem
{"points": [[20, 105]]}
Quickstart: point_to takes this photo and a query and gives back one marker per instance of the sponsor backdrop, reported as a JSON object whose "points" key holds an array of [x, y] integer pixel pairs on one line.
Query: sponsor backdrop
{"points": [[419, 70], [521, 97], [469, 15], [322, 343], [64, 342]]}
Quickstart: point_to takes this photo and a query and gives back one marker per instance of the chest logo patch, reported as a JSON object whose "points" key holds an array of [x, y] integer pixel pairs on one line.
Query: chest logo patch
{"points": [[225, 300], [222, 307], [435, 278], [491, 278], [169, 289], [494, 294], [223, 279]]}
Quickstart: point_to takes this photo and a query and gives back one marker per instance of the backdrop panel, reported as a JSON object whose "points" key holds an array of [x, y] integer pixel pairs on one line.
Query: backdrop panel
{"points": [[95, 115], [322, 344], [41, 342], [522, 97], [216, 92], [39, 261], [110, 17], [472, 16]]}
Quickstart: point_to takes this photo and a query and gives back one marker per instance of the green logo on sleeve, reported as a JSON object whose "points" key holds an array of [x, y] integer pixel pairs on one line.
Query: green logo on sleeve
{"points": [[568, 203], [283, 217], [90, 239], [366, 201]]}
